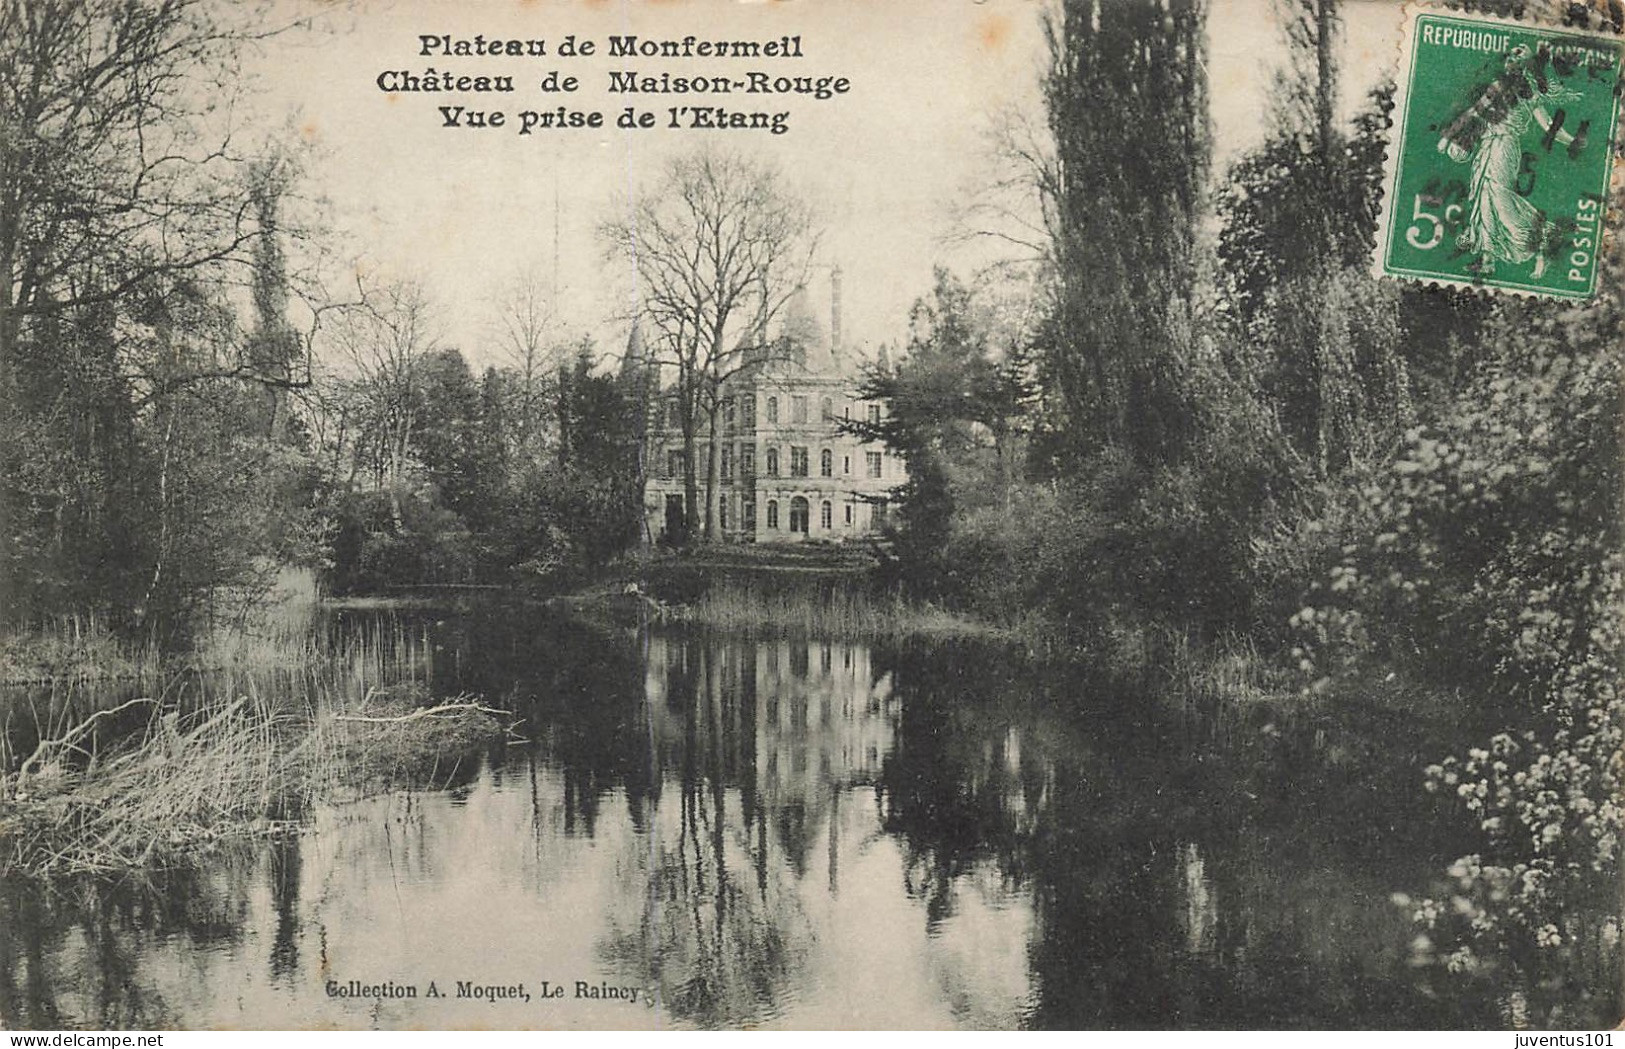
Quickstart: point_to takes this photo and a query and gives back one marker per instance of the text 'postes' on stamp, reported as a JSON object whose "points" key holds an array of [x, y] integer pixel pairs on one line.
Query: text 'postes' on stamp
{"points": [[1499, 162]]}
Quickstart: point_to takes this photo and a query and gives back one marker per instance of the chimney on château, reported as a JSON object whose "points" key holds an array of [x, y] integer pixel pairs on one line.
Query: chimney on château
{"points": [[835, 313]]}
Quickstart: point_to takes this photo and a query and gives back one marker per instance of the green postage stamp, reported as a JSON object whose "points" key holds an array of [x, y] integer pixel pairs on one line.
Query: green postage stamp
{"points": [[1498, 171]]}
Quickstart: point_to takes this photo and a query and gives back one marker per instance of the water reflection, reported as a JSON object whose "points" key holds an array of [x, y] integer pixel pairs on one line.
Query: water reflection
{"points": [[721, 831]]}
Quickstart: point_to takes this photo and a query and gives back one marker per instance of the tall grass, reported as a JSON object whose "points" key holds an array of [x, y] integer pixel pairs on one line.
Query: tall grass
{"points": [[172, 789], [837, 612], [84, 669], [1231, 669], [86, 648], [74, 648]]}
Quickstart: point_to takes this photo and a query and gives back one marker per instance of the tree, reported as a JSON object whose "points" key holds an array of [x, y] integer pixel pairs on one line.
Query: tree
{"points": [[718, 247], [954, 406], [1296, 220], [1297, 217], [602, 440], [106, 170], [528, 335], [445, 440], [382, 343], [273, 345], [119, 191], [216, 503], [1126, 96]]}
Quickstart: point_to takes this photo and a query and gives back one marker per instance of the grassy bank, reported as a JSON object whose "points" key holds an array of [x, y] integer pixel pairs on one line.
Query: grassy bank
{"points": [[822, 591], [835, 612], [831, 593]]}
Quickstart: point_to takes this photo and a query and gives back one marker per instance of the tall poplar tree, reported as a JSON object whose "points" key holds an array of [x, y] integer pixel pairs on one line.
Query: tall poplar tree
{"points": [[1318, 337], [1127, 99]]}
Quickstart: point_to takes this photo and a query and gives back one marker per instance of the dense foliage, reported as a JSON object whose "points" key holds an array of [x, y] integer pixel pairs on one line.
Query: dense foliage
{"points": [[150, 474], [1487, 562], [470, 506], [175, 428], [1388, 491]]}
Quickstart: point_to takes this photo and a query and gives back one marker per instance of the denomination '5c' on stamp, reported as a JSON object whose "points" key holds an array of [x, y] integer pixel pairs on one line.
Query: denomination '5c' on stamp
{"points": [[1498, 169]]}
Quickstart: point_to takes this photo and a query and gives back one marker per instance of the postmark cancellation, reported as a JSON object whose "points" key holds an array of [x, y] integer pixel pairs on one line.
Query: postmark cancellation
{"points": [[1500, 158]]}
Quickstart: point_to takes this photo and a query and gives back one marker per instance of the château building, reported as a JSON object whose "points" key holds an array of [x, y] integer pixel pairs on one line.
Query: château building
{"points": [[789, 473]]}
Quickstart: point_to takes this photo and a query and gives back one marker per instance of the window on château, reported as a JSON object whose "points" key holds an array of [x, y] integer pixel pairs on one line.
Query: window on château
{"points": [[747, 409], [874, 413], [826, 463], [846, 465], [849, 513], [826, 515], [798, 462], [873, 462], [773, 513], [773, 462], [727, 463], [674, 464], [747, 461], [772, 409]]}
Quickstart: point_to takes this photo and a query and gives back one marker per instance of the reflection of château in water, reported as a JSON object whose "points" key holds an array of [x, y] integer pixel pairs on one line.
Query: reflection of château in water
{"points": [[748, 839], [794, 720], [788, 471]]}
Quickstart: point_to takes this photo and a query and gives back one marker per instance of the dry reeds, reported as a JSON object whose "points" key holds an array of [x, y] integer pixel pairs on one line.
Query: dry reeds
{"points": [[172, 790], [238, 738], [232, 771]]}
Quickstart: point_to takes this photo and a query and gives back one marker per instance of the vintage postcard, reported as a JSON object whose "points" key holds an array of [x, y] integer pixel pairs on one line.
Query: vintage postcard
{"points": [[823, 514]]}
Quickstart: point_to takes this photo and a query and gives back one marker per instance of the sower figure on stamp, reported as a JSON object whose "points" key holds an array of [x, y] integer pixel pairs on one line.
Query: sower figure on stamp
{"points": [[1502, 225]]}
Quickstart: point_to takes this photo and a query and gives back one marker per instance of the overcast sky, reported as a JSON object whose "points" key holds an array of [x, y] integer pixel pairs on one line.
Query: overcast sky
{"points": [[885, 165]]}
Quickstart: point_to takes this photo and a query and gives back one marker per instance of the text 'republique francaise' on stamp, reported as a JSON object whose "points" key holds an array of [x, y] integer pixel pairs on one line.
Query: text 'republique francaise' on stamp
{"points": [[1500, 156]]}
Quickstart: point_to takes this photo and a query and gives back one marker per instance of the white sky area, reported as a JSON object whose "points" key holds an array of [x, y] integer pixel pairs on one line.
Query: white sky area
{"points": [[886, 166]]}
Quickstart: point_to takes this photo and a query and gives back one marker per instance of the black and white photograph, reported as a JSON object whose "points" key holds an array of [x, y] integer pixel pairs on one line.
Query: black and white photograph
{"points": [[811, 515]]}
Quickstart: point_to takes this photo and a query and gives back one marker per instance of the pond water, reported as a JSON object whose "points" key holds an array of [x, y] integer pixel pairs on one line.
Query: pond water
{"points": [[704, 830]]}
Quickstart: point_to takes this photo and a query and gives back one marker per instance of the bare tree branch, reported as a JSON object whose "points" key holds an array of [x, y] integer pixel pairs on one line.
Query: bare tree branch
{"points": [[718, 246]]}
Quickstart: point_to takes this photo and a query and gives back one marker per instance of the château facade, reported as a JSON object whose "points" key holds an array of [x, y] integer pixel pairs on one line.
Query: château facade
{"points": [[789, 473]]}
